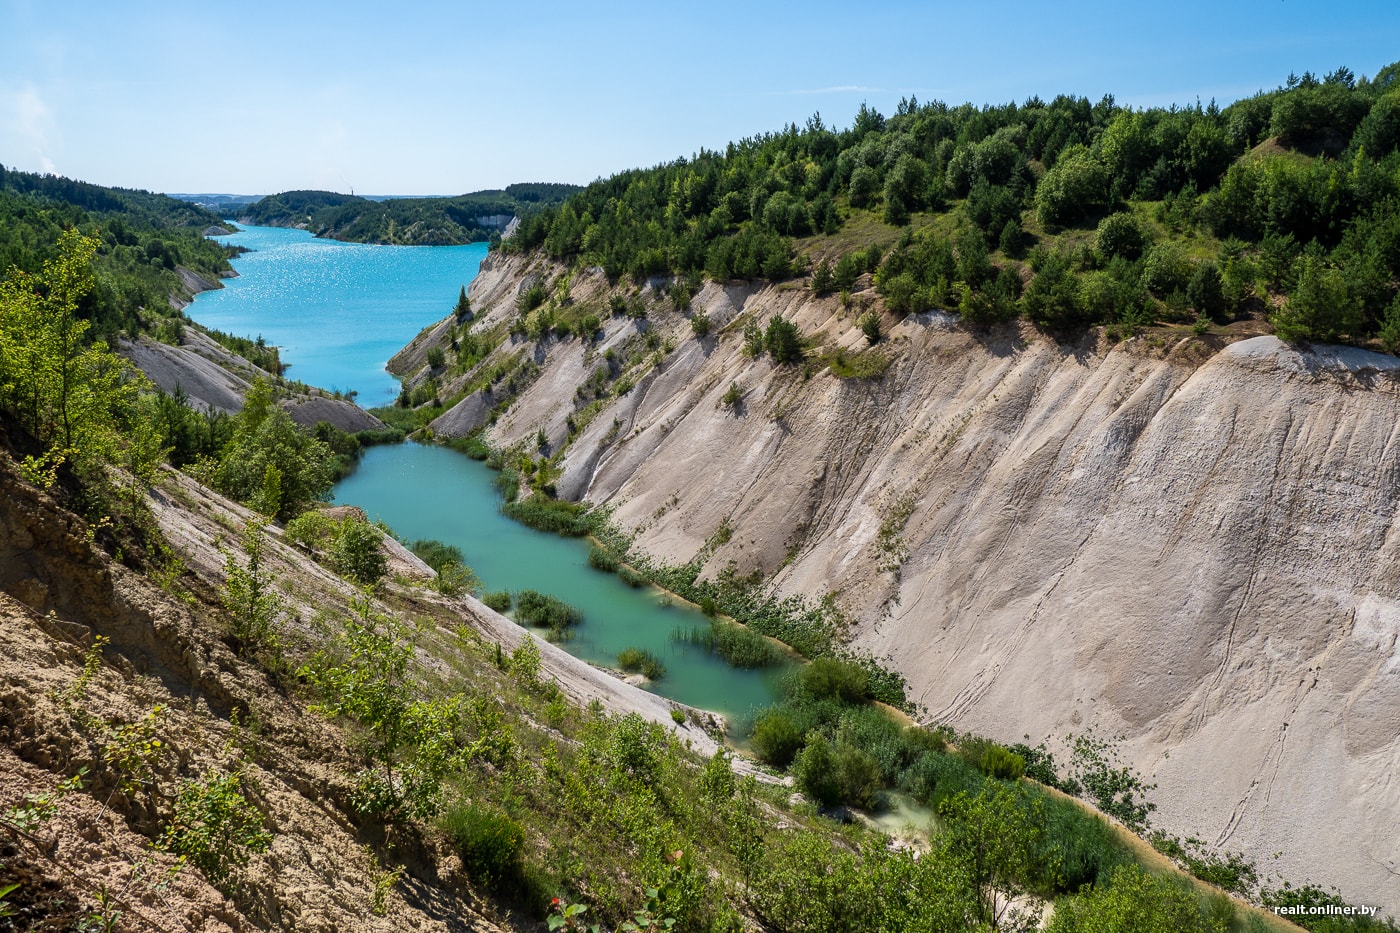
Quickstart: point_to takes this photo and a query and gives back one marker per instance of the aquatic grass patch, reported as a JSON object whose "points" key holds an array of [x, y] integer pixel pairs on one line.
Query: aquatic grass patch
{"points": [[556, 516], [738, 645], [602, 559], [499, 600], [535, 608], [640, 661]]}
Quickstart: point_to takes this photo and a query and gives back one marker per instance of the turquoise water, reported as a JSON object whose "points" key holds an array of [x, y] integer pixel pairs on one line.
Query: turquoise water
{"points": [[337, 310], [436, 492]]}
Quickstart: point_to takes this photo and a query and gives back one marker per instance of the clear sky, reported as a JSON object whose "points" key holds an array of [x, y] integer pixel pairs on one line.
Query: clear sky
{"points": [[415, 97]]}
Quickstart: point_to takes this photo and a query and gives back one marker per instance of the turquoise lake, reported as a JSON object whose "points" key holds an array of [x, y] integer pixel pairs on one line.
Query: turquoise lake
{"points": [[339, 311]]}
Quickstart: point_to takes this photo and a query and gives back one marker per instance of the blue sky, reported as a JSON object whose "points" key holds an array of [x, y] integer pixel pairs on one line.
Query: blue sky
{"points": [[441, 98]]}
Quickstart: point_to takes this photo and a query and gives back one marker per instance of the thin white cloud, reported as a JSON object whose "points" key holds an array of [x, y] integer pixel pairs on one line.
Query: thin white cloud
{"points": [[31, 125]]}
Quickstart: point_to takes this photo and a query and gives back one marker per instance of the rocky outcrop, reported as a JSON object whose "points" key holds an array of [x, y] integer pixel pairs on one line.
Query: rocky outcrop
{"points": [[1190, 547]]}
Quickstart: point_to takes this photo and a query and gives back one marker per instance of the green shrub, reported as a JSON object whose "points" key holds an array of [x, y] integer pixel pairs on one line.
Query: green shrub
{"points": [[640, 661], [311, 530], [215, 827], [1132, 901], [436, 554], [993, 760], [358, 552], [1119, 235], [815, 770], [498, 600], [700, 323], [489, 844], [631, 577], [776, 738], [831, 677]]}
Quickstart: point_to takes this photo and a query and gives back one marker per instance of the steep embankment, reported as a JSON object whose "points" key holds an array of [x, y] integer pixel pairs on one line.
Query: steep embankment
{"points": [[214, 379], [1194, 550]]}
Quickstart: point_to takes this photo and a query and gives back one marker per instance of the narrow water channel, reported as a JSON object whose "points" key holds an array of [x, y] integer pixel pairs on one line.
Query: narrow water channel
{"points": [[339, 311], [435, 492]]}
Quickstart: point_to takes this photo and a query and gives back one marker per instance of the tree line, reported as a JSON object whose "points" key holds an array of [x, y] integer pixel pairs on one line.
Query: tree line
{"points": [[1067, 212]]}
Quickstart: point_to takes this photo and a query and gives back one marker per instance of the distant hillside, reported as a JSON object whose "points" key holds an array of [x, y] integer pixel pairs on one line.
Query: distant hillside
{"points": [[467, 218], [147, 240], [1069, 213]]}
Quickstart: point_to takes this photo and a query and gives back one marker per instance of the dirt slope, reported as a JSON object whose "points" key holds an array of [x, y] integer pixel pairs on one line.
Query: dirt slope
{"points": [[1194, 550]]}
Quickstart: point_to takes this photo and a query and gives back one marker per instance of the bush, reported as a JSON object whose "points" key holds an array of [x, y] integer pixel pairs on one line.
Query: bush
{"points": [[489, 844], [776, 738], [1119, 235], [631, 577], [700, 323], [992, 759], [1166, 269], [499, 600], [640, 661], [831, 677], [358, 553], [215, 826], [815, 770]]}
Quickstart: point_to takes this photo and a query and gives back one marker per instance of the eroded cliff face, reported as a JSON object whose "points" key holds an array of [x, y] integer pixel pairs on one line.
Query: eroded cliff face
{"points": [[1194, 550]]}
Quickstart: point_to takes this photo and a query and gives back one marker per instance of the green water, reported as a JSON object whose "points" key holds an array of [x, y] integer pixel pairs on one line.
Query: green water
{"points": [[435, 492]]}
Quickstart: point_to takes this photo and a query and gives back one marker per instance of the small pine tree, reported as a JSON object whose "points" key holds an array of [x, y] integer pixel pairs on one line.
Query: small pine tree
{"points": [[463, 310]]}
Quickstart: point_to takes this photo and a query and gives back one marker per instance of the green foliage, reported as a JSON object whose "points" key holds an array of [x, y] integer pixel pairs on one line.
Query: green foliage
{"points": [[1206, 290], [1132, 902], [454, 577], [73, 395], [358, 552], [1322, 308], [525, 662], [498, 600], [641, 661], [700, 323], [490, 844], [782, 340], [269, 462], [834, 678], [996, 834], [216, 827], [535, 608], [776, 738], [1116, 790], [1074, 190], [870, 326], [602, 559], [39, 808], [412, 743], [553, 515], [993, 760], [733, 395], [1119, 235], [738, 645], [254, 605]]}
